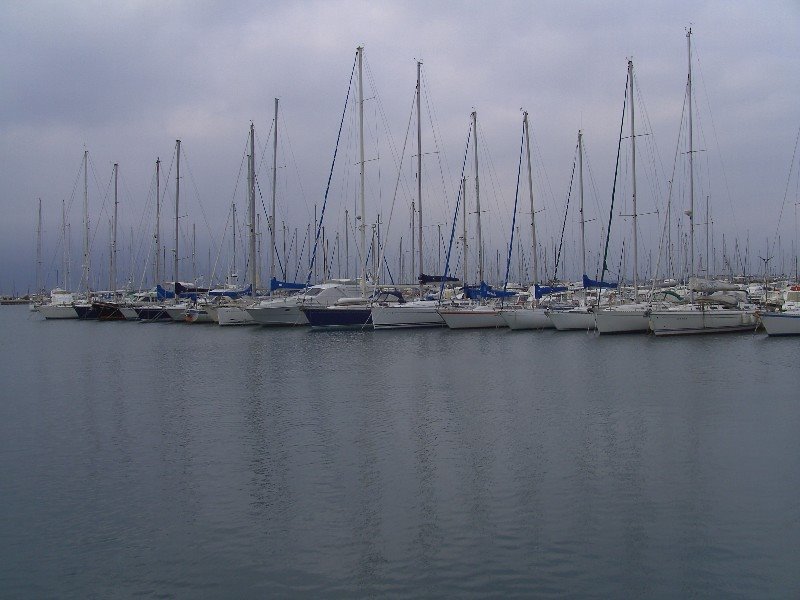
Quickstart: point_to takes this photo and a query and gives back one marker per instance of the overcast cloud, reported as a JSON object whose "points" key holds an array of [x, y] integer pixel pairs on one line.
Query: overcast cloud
{"points": [[125, 80]]}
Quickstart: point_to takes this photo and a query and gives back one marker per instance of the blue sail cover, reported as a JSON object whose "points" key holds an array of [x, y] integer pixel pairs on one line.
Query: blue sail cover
{"points": [[591, 283], [275, 284], [484, 290], [163, 294], [248, 291], [543, 290]]}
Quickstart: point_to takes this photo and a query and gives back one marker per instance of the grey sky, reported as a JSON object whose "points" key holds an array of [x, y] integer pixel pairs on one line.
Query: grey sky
{"points": [[124, 80]]}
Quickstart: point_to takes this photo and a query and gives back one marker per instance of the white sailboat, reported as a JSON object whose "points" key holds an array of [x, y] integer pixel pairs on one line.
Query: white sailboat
{"points": [[718, 311], [633, 316], [532, 315], [235, 313], [785, 321], [474, 316], [580, 317], [421, 312]]}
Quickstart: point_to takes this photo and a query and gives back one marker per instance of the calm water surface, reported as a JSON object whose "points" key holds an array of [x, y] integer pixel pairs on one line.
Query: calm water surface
{"points": [[198, 461]]}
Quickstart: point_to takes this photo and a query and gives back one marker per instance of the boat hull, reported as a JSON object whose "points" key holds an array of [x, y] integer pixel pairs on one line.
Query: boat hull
{"points": [[336, 317], [234, 315], [406, 316], [526, 318], [690, 322], [569, 320], [108, 311], [58, 311], [152, 314], [278, 316], [87, 312], [473, 319], [622, 320], [777, 323]]}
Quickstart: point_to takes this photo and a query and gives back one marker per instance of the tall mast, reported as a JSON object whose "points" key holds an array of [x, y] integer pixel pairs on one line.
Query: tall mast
{"points": [[113, 269], [234, 274], [273, 248], [158, 221], [478, 197], [419, 174], [86, 222], [464, 227], [691, 159], [252, 212], [64, 245], [363, 225], [39, 285], [177, 203], [534, 258], [580, 195], [633, 184]]}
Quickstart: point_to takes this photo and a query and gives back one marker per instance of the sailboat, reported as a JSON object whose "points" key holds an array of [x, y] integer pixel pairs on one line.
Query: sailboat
{"points": [[421, 312], [236, 312], [719, 309], [580, 317], [353, 312], [474, 315], [531, 316], [630, 316]]}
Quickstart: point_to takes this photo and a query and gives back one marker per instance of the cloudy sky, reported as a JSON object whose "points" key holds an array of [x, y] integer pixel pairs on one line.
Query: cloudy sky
{"points": [[125, 80]]}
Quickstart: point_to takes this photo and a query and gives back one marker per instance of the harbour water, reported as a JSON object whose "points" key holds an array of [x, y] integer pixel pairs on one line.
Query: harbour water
{"points": [[198, 461]]}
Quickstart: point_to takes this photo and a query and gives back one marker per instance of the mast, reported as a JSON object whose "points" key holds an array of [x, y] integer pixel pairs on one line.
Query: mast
{"points": [[691, 160], [272, 223], [252, 213], [158, 220], [580, 195], [419, 175], [363, 225], [464, 231], [86, 222], [64, 267], [177, 202], [113, 270], [534, 258], [234, 274], [478, 197], [633, 184], [39, 285]]}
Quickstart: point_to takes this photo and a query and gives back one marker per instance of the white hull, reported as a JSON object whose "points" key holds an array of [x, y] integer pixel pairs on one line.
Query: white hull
{"points": [[234, 315], [177, 312], [526, 318], [129, 313], [283, 315], [571, 320], [472, 318], [622, 319], [57, 311], [197, 315], [407, 316], [685, 322], [781, 323]]}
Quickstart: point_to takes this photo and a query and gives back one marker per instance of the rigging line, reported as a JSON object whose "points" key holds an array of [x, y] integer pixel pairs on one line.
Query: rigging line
{"points": [[461, 192], [514, 217], [197, 193], [269, 229], [788, 182], [397, 182], [566, 212], [434, 120], [330, 174], [288, 142], [716, 138], [616, 173]]}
